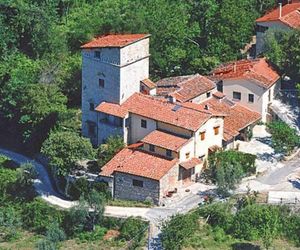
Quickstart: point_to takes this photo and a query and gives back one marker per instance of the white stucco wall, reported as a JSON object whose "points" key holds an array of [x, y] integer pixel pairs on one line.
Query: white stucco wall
{"points": [[187, 148], [246, 87], [201, 147], [203, 97], [136, 131]]}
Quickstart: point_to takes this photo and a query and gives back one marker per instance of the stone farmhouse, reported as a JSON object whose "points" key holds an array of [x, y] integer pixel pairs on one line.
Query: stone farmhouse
{"points": [[170, 127], [281, 18]]}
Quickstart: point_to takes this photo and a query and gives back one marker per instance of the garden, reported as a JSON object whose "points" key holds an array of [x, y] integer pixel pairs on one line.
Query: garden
{"points": [[26, 221], [240, 223]]}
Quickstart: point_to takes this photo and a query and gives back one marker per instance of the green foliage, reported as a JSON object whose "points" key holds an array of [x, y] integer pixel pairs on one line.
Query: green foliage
{"points": [[38, 215], [64, 149], [132, 228], [176, 230], [284, 138], [283, 48], [10, 222], [54, 233], [8, 178], [45, 244], [257, 222], [95, 235], [228, 167], [291, 228], [218, 214], [86, 215], [106, 151], [76, 220], [79, 188]]}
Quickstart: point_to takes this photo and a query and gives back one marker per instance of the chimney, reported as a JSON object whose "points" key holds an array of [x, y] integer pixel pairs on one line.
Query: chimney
{"points": [[171, 99], [234, 67], [280, 10], [206, 107]]}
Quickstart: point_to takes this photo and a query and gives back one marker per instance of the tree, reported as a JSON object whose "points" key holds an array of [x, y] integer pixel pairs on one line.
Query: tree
{"points": [[64, 149], [283, 49], [96, 203], [107, 151], [257, 222], [284, 138], [177, 229], [226, 168]]}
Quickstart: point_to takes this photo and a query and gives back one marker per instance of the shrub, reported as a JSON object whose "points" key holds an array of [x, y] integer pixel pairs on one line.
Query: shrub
{"points": [[55, 233], [217, 214], [78, 188], [284, 138], [45, 244], [291, 229], [38, 215], [132, 228], [257, 222], [102, 187], [177, 229], [95, 235]]}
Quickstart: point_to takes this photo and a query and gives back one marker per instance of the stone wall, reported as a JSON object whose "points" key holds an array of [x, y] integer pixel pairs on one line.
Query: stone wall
{"points": [[124, 189]]}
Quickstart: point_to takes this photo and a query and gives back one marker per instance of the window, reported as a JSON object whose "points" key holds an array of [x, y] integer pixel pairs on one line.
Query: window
{"points": [[187, 155], [151, 148], [97, 54], [92, 106], [208, 94], [236, 95], [137, 183], [101, 83], [91, 129], [251, 98], [169, 153], [217, 130], [220, 86], [202, 136], [143, 123]]}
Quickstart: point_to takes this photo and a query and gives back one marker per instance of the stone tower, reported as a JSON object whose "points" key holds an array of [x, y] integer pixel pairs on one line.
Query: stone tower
{"points": [[112, 68]]}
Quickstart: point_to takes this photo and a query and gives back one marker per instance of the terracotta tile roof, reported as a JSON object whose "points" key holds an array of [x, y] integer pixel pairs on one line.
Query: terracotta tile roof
{"points": [[149, 83], [239, 117], [117, 40], [191, 163], [112, 109], [165, 140], [159, 110], [290, 15], [139, 163], [218, 94], [236, 116], [257, 70], [185, 88]]}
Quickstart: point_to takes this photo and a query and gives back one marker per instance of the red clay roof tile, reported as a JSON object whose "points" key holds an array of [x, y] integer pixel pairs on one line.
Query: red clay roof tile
{"points": [[184, 88], [117, 40], [159, 110], [290, 15], [165, 140], [149, 83], [191, 163], [257, 70], [139, 163]]}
